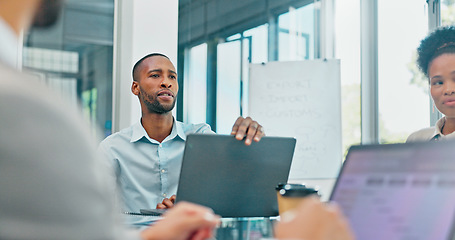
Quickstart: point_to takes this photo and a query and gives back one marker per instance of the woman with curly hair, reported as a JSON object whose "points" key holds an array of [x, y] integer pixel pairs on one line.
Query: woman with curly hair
{"points": [[436, 59]]}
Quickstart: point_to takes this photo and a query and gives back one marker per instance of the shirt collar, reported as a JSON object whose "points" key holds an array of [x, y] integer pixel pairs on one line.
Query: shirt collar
{"points": [[138, 132], [437, 130], [180, 131], [9, 44]]}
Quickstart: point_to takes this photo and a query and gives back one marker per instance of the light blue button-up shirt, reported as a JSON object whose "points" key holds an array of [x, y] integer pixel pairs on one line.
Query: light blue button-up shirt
{"points": [[146, 170]]}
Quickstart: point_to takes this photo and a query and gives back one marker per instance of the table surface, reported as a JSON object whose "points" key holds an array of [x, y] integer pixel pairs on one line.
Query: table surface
{"points": [[253, 228]]}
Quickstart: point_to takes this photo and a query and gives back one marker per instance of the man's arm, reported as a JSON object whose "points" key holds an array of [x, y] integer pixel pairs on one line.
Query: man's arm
{"points": [[247, 128]]}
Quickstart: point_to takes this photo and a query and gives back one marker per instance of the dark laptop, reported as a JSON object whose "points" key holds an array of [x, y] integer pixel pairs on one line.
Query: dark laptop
{"points": [[233, 179], [399, 191]]}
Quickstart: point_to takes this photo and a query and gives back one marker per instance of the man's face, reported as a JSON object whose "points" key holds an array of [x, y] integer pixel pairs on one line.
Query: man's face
{"points": [[47, 14], [156, 84]]}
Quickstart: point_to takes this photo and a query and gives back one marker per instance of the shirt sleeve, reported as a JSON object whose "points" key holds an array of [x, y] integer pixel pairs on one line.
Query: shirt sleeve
{"points": [[104, 153], [204, 128]]}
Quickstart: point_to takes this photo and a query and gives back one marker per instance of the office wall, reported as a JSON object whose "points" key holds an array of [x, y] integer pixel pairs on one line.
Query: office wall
{"points": [[141, 27]]}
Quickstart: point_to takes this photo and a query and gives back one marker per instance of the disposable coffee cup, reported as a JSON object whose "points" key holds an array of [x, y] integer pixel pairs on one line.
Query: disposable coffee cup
{"points": [[290, 195]]}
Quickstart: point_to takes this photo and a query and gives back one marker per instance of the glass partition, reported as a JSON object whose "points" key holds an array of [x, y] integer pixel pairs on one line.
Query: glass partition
{"points": [[402, 89], [75, 58], [196, 85], [448, 12], [347, 27], [228, 86], [296, 36]]}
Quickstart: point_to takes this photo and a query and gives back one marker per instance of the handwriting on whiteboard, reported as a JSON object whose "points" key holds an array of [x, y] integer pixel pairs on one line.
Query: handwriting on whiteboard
{"points": [[301, 99]]}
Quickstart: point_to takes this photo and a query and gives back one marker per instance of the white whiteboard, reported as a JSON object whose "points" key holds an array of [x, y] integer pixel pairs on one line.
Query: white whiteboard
{"points": [[301, 99]]}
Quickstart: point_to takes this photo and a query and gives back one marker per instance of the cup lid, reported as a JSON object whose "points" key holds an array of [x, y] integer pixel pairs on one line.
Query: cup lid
{"points": [[295, 190], [289, 186]]}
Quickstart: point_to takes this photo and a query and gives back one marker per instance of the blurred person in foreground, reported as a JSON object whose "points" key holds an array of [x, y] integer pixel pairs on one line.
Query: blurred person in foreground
{"points": [[314, 220], [51, 184]]}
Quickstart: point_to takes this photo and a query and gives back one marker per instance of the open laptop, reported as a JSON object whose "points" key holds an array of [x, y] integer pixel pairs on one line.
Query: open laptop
{"points": [[233, 179], [399, 191]]}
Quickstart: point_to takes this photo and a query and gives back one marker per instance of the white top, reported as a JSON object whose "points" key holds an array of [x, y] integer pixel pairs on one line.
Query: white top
{"points": [[431, 133], [9, 44]]}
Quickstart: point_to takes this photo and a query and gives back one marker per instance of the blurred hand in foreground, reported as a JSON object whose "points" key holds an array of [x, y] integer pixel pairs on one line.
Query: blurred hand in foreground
{"points": [[314, 220]]}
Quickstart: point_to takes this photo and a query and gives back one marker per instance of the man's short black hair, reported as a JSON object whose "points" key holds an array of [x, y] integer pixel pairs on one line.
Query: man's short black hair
{"points": [[440, 41], [138, 63]]}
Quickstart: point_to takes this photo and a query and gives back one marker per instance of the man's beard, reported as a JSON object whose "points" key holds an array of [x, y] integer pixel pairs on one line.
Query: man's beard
{"points": [[48, 13], [154, 106]]}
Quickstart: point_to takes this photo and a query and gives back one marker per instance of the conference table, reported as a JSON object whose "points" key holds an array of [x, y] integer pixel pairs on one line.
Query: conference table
{"points": [[245, 228], [251, 228]]}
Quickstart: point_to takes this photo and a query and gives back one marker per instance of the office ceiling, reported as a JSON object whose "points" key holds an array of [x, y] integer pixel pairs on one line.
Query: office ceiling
{"points": [[203, 19], [91, 21]]}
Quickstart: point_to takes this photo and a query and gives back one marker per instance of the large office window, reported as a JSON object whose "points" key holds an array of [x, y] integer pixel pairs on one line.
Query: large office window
{"points": [[195, 101], [75, 58], [348, 51], [259, 47], [255, 50], [288, 32], [402, 91], [234, 57], [448, 12], [228, 85], [296, 36], [293, 33]]}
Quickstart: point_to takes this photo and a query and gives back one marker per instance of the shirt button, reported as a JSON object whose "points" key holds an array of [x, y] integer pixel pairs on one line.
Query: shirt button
{"points": [[164, 194], [163, 171]]}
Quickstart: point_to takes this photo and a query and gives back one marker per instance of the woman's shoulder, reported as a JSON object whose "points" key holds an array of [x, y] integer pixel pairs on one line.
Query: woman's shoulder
{"points": [[424, 134]]}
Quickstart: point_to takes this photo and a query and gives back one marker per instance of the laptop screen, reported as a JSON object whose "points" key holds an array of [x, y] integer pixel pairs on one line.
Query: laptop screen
{"points": [[234, 180], [399, 191]]}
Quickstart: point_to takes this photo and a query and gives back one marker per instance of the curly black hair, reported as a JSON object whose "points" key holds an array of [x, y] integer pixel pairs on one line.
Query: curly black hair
{"points": [[440, 41]]}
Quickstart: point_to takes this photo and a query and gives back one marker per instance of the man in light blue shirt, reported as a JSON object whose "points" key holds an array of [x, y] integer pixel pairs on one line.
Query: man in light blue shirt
{"points": [[147, 156]]}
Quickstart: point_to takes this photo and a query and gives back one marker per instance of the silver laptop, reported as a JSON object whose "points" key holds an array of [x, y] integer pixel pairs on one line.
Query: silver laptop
{"points": [[399, 191], [233, 179]]}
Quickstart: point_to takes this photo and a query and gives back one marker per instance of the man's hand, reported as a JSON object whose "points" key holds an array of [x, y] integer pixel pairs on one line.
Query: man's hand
{"points": [[249, 128], [184, 221], [166, 203], [314, 220]]}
